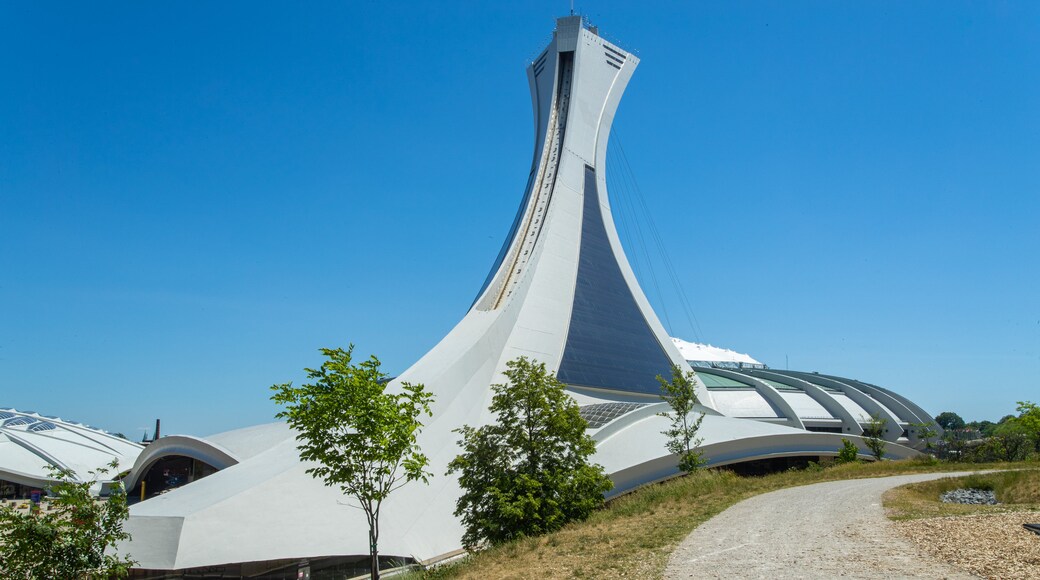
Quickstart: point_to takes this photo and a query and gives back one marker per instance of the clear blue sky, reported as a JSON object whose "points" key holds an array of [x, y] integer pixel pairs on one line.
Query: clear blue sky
{"points": [[196, 196]]}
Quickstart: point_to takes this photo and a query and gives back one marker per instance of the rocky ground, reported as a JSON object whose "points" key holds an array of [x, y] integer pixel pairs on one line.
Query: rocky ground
{"points": [[970, 496], [991, 546]]}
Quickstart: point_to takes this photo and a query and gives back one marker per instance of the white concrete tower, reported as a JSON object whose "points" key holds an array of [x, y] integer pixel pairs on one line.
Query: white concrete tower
{"points": [[562, 291]]}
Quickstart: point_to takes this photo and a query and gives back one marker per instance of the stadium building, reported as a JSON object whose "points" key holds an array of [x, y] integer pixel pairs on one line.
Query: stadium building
{"points": [[561, 291]]}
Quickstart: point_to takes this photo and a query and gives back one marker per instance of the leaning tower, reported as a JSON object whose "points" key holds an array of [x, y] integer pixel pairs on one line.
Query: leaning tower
{"points": [[561, 290]]}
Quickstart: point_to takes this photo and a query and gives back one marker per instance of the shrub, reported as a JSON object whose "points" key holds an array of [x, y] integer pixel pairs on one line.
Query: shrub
{"points": [[848, 453], [74, 540]]}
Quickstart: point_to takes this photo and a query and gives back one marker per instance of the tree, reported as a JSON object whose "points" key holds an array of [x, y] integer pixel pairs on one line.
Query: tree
{"points": [[949, 420], [985, 428], [848, 453], [873, 436], [1011, 440], [683, 442], [925, 432], [362, 437], [70, 538], [528, 473], [1029, 418]]}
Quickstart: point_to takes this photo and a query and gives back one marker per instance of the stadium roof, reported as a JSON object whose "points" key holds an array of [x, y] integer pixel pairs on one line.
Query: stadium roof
{"points": [[707, 353], [31, 444]]}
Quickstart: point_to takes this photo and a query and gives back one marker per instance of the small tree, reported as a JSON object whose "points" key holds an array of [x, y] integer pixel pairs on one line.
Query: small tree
{"points": [[926, 432], [874, 434], [848, 453], [70, 539], [680, 395], [528, 473], [362, 437]]}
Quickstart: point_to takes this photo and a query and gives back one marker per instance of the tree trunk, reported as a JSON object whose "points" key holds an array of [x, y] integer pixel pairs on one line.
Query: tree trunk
{"points": [[374, 551]]}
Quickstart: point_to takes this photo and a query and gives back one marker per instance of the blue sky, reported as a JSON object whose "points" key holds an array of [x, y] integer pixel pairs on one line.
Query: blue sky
{"points": [[195, 197]]}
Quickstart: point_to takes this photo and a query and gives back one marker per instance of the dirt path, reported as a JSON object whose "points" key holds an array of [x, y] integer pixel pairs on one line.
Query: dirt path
{"points": [[824, 530]]}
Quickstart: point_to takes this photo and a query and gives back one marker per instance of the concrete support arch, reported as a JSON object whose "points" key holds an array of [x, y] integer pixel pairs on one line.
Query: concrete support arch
{"points": [[849, 423], [893, 429], [767, 391], [895, 405], [919, 414]]}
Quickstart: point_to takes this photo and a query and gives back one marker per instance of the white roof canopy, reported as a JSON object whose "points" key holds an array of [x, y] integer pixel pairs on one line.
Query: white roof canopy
{"points": [[693, 351]]}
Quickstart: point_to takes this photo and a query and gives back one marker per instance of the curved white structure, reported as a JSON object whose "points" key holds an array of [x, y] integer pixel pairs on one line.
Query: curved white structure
{"points": [[31, 443], [713, 356], [561, 291]]}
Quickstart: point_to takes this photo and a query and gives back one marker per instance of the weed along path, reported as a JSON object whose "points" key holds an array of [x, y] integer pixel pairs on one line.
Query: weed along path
{"points": [[823, 530]]}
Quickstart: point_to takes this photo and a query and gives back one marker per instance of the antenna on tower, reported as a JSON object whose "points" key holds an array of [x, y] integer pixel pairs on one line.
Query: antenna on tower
{"points": [[572, 7]]}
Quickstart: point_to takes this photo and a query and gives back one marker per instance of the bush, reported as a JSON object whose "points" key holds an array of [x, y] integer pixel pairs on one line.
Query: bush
{"points": [[75, 539], [848, 453]]}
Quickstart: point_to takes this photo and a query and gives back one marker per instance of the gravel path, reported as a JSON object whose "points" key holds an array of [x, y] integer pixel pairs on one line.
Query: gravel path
{"points": [[824, 530]]}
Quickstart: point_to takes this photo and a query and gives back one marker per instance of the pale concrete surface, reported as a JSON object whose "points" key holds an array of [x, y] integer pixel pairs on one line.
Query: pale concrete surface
{"points": [[826, 530]]}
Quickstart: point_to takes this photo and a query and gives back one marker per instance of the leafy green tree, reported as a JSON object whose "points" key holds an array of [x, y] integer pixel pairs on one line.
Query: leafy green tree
{"points": [[949, 420], [528, 473], [926, 432], [874, 436], [848, 453], [1029, 418], [362, 437], [683, 442], [1011, 441], [70, 538]]}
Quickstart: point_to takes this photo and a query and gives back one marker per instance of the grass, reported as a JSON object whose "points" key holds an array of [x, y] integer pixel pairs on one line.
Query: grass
{"points": [[634, 534], [1015, 490]]}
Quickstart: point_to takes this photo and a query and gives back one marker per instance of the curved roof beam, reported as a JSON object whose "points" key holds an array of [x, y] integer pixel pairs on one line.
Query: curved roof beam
{"points": [[897, 401], [610, 429], [848, 422], [893, 430], [920, 412], [895, 405], [627, 419], [803, 444], [39, 452], [767, 391]]}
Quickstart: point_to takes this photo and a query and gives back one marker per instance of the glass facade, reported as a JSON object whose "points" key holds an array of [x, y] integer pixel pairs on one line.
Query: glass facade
{"points": [[599, 414], [609, 343], [713, 381]]}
